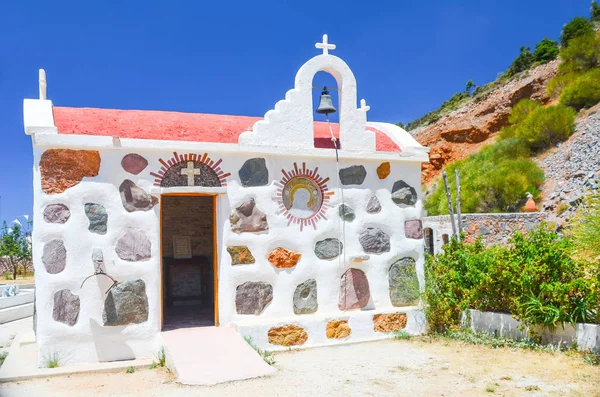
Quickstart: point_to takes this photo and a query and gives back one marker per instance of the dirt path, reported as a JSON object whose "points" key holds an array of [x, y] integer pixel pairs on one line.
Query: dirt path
{"points": [[419, 367]]}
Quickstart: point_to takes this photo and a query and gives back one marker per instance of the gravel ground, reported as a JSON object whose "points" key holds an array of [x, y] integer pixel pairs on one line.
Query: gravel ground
{"points": [[418, 367]]}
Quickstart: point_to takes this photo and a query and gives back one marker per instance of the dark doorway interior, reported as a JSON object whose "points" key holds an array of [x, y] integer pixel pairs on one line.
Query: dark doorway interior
{"points": [[188, 256]]}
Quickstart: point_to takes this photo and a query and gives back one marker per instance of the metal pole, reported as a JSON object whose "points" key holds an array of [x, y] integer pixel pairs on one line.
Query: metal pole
{"points": [[449, 197], [458, 209]]}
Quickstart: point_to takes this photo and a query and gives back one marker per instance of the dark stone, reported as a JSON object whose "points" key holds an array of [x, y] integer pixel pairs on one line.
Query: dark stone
{"points": [[402, 193], [134, 163], [373, 205], [97, 216], [374, 241], [346, 213], [54, 256], [354, 175], [329, 248], [56, 213], [134, 246], [207, 177], [240, 255], [66, 307], [252, 297], [126, 303], [254, 172], [354, 290], [248, 218], [305, 297], [404, 284], [413, 229], [135, 198]]}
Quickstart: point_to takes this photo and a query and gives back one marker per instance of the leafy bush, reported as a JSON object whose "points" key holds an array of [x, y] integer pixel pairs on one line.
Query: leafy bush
{"points": [[545, 51], [584, 228], [556, 86], [583, 92], [545, 127], [595, 11], [454, 103], [522, 110], [521, 63], [578, 26], [582, 54]]}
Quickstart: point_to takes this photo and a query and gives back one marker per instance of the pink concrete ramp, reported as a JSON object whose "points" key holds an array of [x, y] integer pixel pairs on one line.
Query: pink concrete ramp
{"points": [[211, 355]]}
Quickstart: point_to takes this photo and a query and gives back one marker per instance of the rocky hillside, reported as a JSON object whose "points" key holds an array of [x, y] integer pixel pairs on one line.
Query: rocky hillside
{"points": [[465, 130]]}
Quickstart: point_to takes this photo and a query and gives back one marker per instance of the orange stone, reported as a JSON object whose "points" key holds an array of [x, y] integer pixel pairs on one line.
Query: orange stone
{"points": [[337, 329], [65, 168], [287, 335], [283, 258], [389, 322], [530, 206], [383, 170]]}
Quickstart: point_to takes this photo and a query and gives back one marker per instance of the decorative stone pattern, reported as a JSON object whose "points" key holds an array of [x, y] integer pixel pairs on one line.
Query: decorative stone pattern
{"points": [[374, 241], [97, 216], [61, 169], [240, 255], [287, 335], [134, 163], [57, 213], [346, 213], [254, 172], [354, 175], [413, 229], [134, 198], [383, 170], [66, 307], [373, 205], [404, 194], [389, 322], [134, 246], [54, 256], [248, 218], [337, 329], [330, 248], [404, 283], [190, 170], [126, 303], [305, 297], [252, 297], [283, 258], [354, 290]]}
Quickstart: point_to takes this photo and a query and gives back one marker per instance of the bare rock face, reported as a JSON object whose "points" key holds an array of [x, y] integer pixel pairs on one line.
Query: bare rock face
{"points": [[57, 213], [134, 246], [283, 258], [64, 168], [248, 218], [337, 329], [240, 255], [134, 163], [305, 297], [66, 307], [252, 297], [126, 303], [389, 322], [354, 290], [374, 241], [134, 198], [54, 256], [287, 335]]}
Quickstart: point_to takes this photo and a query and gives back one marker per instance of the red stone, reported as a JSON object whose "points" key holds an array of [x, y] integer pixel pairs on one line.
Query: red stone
{"points": [[354, 290], [65, 168], [134, 163]]}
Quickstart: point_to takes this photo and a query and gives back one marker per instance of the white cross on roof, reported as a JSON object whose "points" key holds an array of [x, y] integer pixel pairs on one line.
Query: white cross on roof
{"points": [[325, 45]]}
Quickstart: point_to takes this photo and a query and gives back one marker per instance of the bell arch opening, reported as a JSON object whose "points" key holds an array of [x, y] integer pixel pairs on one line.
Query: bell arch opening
{"points": [[325, 80]]}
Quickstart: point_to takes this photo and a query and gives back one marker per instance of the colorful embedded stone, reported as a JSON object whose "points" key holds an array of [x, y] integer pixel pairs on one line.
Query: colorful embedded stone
{"points": [[61, 169], [126, 303], [283, 258], [287, 335], [240, 255], [57, 213], [383, 170], [403, 282], [389, 322], [354, 175], [305, 297], [374, 241], [252, 297], [134, 163], [354, 290]]}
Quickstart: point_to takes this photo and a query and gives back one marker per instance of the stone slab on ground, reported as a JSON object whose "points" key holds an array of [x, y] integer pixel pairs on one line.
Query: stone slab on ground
{"points": [[211, 355]]}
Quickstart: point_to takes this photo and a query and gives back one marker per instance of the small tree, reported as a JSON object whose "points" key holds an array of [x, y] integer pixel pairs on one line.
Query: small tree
{"points": [[15, 248], [595, 11], [578, 26], [470, 85], [523, 62], [545, 51]]}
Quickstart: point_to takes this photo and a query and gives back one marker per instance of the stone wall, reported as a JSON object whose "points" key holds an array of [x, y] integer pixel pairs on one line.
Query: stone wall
{"points": [[188, 216]]}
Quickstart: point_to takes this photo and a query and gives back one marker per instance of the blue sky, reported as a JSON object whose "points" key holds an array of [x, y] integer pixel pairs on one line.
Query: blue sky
{"points": [[240, 57]]}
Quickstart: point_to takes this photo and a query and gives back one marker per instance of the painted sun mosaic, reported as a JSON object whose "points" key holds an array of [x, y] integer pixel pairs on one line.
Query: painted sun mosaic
{"points": [[303, 196]]}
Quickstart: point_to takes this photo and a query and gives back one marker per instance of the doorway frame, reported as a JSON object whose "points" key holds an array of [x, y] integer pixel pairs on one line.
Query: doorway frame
{"points": [[215, 253]]}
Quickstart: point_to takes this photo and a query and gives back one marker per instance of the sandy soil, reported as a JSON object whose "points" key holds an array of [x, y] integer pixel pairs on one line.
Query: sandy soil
{"points": [[419, 367], [20, 280]]}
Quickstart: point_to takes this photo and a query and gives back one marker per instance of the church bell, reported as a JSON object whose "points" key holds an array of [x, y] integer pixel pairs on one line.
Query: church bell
{"points": [[325, 104]]}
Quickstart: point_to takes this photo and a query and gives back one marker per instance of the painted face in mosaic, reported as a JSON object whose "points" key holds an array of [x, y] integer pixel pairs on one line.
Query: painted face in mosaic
{"points": [[302, 197]]}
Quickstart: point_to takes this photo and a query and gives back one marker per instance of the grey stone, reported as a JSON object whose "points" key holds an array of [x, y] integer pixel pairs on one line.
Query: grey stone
{"points": [[374, 241], [134, 198], [329, 248], [305, 297], [402, 193], [373, 205], [126, 303], [134, 163], [484, 230], [134, 246], [346, 213], [56, 213], [252, 297], [54, 256], [66, 307], [354, 175], [404, 283], [97, 216], [254, 172], [248, 218]]}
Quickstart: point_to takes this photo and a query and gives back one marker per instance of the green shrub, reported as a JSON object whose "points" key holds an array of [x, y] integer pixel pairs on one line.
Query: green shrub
{"points": [[556, 86], [522, 62], [584, 228], [595, 12], [583, 92], [522, 110], [545, 51], [578, 26], [545, 127], [582, 54]]}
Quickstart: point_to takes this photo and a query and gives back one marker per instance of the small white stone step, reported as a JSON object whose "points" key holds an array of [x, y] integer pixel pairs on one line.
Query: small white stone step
{"points": [[16, 313]]}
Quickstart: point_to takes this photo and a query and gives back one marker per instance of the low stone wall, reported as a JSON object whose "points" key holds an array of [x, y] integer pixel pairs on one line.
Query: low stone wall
{"points": [[586, 336], [494, 228]]}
